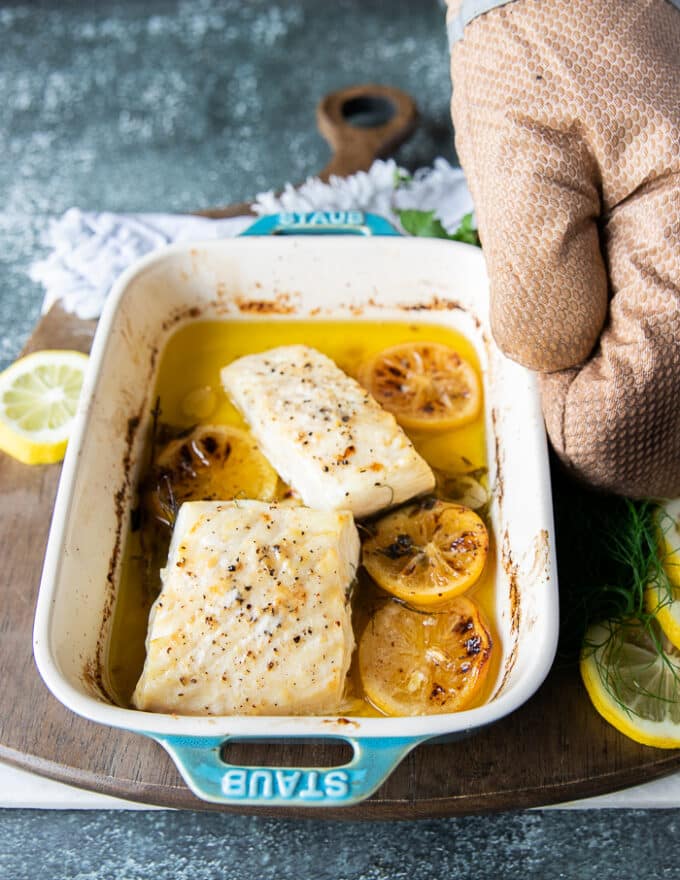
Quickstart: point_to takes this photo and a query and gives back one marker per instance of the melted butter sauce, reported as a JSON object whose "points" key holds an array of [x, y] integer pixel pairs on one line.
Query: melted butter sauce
{"points": [[189, 370]]}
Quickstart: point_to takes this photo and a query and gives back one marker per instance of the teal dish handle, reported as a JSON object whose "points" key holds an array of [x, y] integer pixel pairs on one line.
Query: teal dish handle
{"points": [[211, 778], [321, 223]]}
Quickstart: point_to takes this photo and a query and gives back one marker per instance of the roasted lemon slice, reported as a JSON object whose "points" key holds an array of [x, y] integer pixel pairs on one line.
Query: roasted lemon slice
{"points": [[428, 552], [426, 385], [632, 675], [38, 401], [212, 463], [424, 663], [664, 605]]}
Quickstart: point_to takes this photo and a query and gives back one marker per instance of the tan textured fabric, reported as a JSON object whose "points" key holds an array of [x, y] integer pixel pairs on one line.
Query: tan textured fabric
{"points": [[567, 122]]}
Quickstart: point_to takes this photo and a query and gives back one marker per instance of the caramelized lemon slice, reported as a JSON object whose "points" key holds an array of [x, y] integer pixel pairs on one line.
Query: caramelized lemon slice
{"points": [[426, 385], [212, 463], [427, 553], [417, 663], [631, 673]]}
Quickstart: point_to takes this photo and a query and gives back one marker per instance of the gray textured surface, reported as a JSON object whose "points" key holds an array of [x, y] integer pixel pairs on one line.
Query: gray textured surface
{"points": [[168, 105], [191, 846], [180, 104]]}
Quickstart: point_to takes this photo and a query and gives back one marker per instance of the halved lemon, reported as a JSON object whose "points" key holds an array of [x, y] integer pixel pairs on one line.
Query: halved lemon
{"points": [[212, 463], [661, 602], [428, 386], [424, 663], [428, 552], [38, 401], [632, 675]]}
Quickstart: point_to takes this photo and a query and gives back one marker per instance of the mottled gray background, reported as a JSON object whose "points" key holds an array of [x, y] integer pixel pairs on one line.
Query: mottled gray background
{"points": [[169, 105], [175, 105], [190, 846]]}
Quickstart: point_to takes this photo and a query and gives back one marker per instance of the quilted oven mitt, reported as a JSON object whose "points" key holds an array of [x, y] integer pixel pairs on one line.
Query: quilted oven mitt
{"points": [[567, 122]]}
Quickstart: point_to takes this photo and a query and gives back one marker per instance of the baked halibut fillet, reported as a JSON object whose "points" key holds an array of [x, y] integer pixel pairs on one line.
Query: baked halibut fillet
{"points": [[253, 617], [324, 434]]}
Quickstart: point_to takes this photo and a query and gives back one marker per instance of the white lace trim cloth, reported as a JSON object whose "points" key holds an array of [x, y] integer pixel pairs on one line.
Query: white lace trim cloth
{"points": [[90, 250]]}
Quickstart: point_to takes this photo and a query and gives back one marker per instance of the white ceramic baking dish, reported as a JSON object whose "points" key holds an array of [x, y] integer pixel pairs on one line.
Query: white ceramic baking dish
{"points": [[377, 275]]}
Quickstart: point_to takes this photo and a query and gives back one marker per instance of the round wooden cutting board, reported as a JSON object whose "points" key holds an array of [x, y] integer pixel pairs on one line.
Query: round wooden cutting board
{"points": [[554, 749]]}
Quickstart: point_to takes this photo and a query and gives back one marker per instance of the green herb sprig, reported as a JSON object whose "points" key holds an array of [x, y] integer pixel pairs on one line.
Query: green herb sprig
{"points": [[427, 225], [608, 555]]}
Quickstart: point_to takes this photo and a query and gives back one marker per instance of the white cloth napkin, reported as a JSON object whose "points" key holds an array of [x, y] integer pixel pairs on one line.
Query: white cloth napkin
{"points": [[89, 250]]}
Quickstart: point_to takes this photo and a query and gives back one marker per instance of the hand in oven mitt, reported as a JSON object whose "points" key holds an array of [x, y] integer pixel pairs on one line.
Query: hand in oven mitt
{"points": [[567, 122]]}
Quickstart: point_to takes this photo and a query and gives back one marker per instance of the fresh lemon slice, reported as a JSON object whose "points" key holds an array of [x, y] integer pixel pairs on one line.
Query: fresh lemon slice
{"points": [[427, 553], [665, 607], [424, 663], [212, 463], [38, 402], [426, 385], [666, 610], [632, 675], [668, 521]]}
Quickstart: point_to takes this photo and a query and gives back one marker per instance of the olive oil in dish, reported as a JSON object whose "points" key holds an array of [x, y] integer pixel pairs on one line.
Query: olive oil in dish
{"points": [[189, 393]]}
